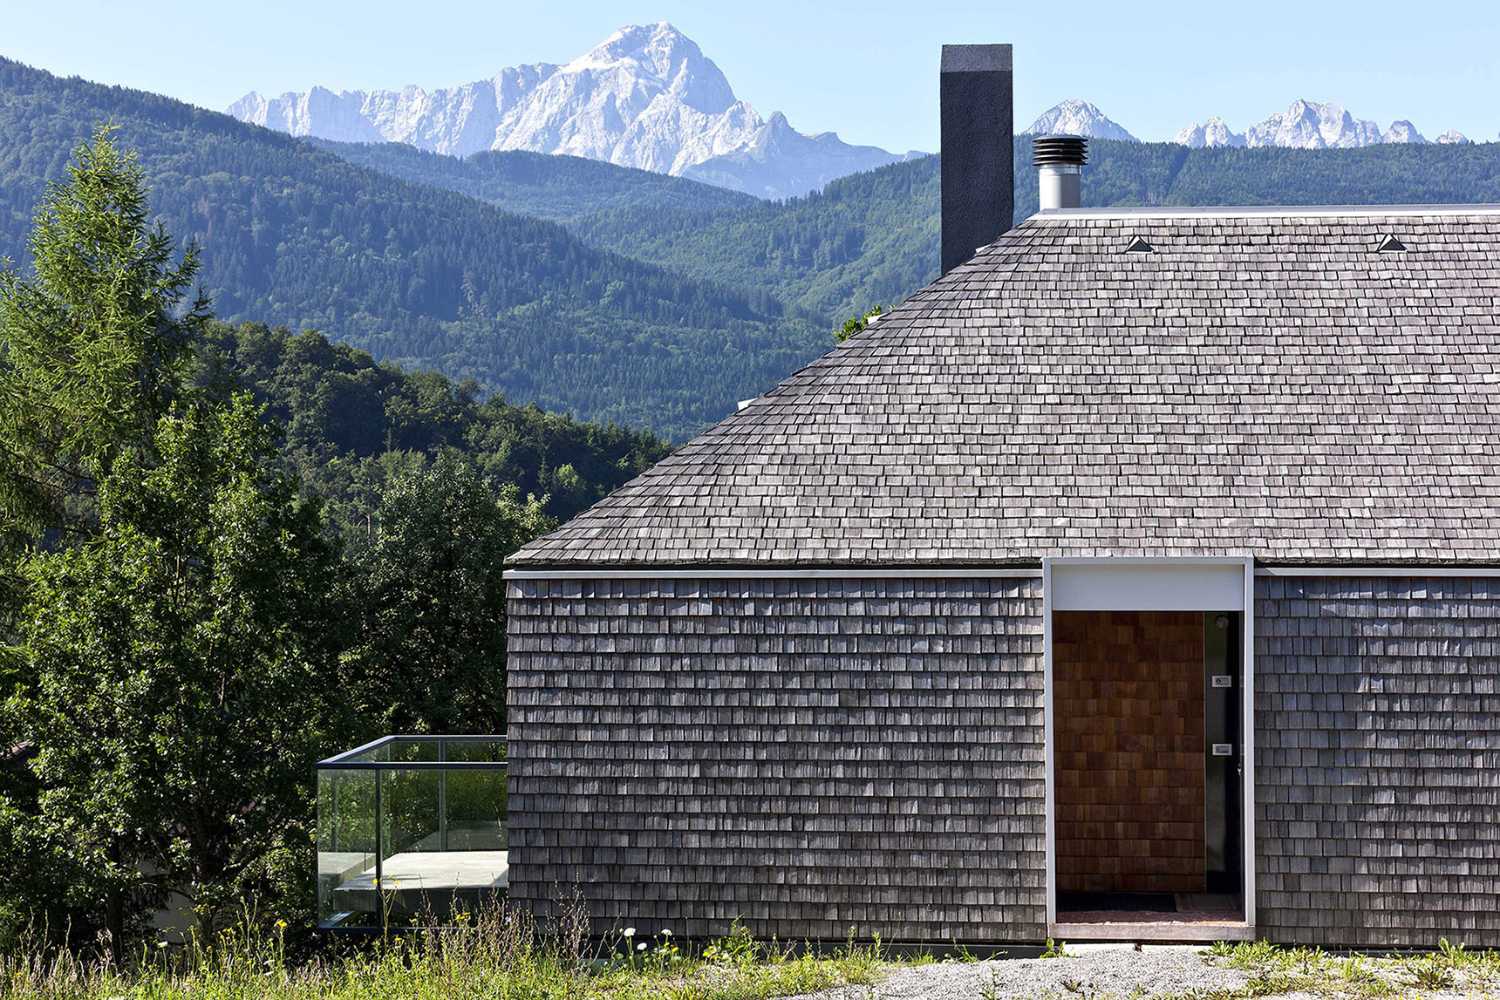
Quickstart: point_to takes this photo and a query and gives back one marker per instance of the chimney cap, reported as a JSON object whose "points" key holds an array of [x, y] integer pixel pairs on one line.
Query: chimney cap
{"points": [[976, 59], [1048, 150]]}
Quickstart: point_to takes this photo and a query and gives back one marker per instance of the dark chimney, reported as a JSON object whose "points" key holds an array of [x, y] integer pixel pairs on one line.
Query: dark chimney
{"points": [[977, 176]]}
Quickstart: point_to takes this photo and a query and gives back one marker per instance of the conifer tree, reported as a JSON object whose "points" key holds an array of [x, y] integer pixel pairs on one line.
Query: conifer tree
{"points": [[93, 345]]}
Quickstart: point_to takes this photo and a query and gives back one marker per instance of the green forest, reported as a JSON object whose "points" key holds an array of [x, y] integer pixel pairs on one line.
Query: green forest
{"points": [[227, 551], [292, 235], [349, 423], [873, 237]]}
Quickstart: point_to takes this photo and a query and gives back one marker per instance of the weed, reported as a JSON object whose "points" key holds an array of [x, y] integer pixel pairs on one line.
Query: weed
{"points": [[737, 948], [1251, 955], [1430, 972], [1056, 949], [961, 953], [1308, 961]]}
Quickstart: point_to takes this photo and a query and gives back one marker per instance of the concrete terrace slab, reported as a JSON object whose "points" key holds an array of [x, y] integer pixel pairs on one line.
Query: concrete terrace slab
{"points": [[409, 877]]}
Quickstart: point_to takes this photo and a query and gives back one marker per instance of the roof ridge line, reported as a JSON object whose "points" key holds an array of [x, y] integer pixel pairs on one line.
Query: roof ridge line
{"points": [[1253, 211]]}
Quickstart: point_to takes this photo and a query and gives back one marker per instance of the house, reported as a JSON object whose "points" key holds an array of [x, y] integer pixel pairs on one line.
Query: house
{"points": [[1138, 578]]}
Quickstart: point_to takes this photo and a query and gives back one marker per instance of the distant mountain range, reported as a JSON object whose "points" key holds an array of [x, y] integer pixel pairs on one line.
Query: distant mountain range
{"points": [[645, 97], [1303, 125], [1310, 125]]}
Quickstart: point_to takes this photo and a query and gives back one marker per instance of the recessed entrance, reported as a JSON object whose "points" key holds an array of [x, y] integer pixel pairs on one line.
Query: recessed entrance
{"points": [[1146, 758]]}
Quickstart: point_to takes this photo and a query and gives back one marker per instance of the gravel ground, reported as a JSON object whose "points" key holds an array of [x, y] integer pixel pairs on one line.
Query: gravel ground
{"points": [[1092, 972]]}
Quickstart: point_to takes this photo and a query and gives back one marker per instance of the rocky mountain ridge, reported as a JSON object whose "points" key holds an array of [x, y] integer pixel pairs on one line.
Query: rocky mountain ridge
{"points": [[645, 97], [1078, 117], [1303, 125], [1308, 125]]}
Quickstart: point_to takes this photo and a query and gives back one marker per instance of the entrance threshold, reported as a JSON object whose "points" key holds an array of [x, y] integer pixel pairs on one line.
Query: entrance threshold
{"points": [[1181, 917], [1173, 931]]}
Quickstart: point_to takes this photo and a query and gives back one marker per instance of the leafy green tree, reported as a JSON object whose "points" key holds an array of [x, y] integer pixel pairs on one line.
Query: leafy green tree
{"points": [[183, 675], [93, 347], [429, 596], [854, 324]]}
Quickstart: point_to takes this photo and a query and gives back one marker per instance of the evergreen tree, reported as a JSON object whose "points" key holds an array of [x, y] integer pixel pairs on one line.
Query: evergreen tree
{"points": [[92, 348]]}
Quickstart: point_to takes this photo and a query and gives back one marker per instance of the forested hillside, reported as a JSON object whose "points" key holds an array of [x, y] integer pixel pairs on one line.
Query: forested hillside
{"points": [[870, 237], [873, 237], [554, 187], [293, 235], [351, 423]]}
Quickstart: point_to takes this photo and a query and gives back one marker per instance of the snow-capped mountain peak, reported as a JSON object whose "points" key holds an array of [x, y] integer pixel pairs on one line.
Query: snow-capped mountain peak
{"points": [[644, 97], [1211, 133], [1077, 117], [1402, 131], [1311, 125], [1308, 125], [664, 55]]}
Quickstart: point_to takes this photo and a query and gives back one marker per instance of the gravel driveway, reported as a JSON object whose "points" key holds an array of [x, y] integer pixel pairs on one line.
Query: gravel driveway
{"points": [[1093, 972]]}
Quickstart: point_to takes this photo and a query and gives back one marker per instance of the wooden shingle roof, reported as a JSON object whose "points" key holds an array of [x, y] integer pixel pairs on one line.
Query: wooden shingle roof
{"points": [[1256, 381]]}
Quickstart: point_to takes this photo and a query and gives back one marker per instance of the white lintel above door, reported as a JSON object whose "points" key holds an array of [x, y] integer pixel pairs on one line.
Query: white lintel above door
{"points": [[1148, 584]]}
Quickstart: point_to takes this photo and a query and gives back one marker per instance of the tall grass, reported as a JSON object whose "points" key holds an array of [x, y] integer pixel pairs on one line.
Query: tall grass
{"points": [[500, 953]]}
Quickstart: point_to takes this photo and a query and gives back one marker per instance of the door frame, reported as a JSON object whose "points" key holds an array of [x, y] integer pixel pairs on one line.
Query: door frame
{"points": [[1166, 583]]}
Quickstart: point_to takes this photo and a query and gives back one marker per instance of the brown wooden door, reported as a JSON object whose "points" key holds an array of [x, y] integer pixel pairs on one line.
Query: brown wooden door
{"points": [[1129, 751]]}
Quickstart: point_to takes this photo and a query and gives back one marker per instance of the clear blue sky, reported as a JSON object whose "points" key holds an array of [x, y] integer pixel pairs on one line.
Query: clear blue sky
{"points": [[865, 69]]}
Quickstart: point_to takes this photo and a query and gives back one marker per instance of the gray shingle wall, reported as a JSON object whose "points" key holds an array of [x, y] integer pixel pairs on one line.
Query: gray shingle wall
{"points": [[1378, 760], [808, 755]]}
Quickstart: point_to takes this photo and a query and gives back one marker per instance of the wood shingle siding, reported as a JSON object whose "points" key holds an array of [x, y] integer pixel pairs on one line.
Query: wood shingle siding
{"points": [[1264, 382], [1377, 705], [810, 756]]}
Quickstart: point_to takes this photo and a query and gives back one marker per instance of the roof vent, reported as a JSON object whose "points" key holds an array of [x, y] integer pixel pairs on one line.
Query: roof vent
{"points": [[1139, 245], [1391, 245], [1059, 160]]}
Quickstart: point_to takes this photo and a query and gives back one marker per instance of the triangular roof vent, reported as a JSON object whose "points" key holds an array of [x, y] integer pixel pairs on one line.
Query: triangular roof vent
{"points": [[1139, 245], [1391, 244]]}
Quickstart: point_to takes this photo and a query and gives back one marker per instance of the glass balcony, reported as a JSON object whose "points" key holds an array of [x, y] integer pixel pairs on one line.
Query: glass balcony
{"points": [[411, 829]]}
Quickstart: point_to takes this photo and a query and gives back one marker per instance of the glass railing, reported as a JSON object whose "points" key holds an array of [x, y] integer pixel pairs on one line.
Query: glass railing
{"points": [[411, 829]]}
